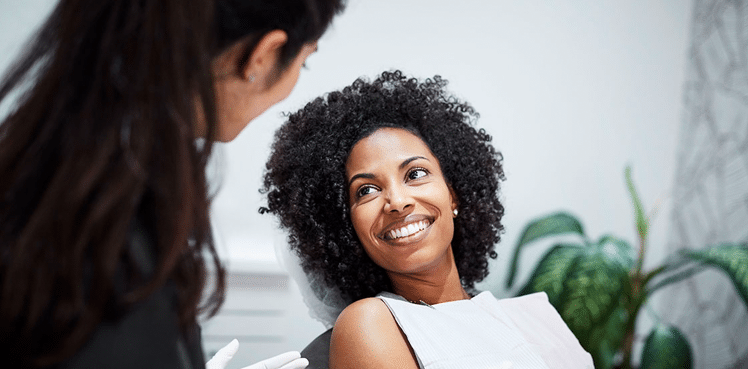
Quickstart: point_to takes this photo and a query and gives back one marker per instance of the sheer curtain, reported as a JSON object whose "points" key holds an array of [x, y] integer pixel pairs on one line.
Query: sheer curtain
{"points": [[710, 194]]}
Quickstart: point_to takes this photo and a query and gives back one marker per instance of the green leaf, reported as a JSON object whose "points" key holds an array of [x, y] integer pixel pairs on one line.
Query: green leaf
{"points": [[551, 225], [606, 339], [551, 271], [666, 348], [675, 277], [732, 259], [617, 249], [593, 291], [587, 285], [642, 225]]}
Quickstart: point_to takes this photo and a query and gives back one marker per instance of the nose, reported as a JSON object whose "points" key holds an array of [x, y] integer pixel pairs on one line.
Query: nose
{"points": [[398, 199]]}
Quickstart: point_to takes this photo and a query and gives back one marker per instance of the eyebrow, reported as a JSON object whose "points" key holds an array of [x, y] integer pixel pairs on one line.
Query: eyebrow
{"points": [[409, 160], [371, 176], [360, 175]]}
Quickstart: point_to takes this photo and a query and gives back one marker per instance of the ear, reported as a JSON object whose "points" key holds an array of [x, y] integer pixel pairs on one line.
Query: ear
{"points": [[453, 198], [264, 59]]}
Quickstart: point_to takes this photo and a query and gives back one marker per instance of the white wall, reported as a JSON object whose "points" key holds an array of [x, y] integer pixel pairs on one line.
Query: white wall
{"points": [[18, 19], [572, 91]]}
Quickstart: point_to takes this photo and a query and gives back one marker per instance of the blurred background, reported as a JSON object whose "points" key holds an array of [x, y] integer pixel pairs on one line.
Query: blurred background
{"points": [[572, 92]]}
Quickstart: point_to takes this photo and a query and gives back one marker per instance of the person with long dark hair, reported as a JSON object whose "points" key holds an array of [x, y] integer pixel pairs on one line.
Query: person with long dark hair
{"points": [[104, 229]]}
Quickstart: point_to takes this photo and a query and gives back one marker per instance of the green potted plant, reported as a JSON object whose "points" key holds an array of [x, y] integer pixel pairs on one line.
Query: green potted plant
{"points": [[599, 287]]}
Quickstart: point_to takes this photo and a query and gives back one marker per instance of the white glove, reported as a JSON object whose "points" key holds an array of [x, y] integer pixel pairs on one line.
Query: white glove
{"points": [[287, 360]]}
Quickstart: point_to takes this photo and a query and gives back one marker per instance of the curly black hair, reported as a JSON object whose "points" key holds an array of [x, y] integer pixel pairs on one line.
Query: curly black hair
{"points": [[306, 185]]}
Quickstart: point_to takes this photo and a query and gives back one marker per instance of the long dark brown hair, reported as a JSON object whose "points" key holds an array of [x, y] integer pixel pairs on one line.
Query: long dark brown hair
{"points": [[100, 136]]}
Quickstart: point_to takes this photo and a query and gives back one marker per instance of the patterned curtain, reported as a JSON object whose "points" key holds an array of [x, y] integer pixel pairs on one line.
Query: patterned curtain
{"points": [[710, 195]]}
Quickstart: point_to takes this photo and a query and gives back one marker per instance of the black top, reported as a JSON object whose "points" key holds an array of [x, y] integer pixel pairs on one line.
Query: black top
{"points": [[147, 335], [318, 351]]}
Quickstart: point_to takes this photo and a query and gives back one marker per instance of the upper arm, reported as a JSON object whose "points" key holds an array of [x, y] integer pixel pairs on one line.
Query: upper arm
{"points": [[366, 335]]}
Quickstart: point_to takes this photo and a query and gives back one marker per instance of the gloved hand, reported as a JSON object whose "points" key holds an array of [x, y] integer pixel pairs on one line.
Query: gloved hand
{"points": [[287, 360]]}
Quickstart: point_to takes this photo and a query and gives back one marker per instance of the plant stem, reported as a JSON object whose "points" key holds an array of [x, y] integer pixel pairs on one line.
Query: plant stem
{"points": [[648, 277], [692, 270], [639, 294], [638, 297], [642, 251], [634, 305]]}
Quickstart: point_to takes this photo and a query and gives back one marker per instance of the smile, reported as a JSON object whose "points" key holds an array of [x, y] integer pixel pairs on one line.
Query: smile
{"points": [[406, 230]]}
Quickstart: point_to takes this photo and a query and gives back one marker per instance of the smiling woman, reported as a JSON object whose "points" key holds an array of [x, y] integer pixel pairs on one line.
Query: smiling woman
{"points": [[309, 174], [390, 197]]}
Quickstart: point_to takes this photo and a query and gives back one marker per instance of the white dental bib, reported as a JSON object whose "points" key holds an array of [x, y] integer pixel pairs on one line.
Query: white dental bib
{"points": [[483, 332]]}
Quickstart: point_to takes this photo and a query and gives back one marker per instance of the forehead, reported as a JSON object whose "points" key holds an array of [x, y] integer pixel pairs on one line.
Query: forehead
{"points": [[384, 147]]}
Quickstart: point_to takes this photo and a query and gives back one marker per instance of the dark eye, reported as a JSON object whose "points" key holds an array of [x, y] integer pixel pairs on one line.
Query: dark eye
{"points": [[365, 190], [417, 173]]}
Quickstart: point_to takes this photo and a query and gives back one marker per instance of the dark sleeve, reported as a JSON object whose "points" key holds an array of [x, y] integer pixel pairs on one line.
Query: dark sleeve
{"points": [[318, 351], [146, 335]]}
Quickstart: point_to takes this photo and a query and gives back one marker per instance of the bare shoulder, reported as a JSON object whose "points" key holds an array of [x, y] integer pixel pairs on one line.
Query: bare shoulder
{"points": [[366, 335], [365, 310]]}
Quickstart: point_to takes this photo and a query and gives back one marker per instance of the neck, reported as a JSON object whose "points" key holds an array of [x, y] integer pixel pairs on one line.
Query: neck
{"points": [[434, 285]]}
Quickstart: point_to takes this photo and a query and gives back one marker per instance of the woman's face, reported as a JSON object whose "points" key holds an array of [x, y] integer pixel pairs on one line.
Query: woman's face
{"points": [[401, 206], [238, 101]]}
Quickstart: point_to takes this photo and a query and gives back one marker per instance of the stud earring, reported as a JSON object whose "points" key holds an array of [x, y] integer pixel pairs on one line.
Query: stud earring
{"points": [[455, 212], [251, 78]]}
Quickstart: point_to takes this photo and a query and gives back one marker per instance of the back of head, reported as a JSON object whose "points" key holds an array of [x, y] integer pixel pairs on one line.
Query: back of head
{"points": [[101, 132], [302, 20], [307, 188]]}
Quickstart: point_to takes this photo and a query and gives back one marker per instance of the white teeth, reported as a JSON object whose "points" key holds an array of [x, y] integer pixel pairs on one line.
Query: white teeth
{"points": [[408, 230]]}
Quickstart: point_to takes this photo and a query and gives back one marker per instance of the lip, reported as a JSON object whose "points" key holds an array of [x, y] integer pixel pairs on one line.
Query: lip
{"points": [[410, 219]]}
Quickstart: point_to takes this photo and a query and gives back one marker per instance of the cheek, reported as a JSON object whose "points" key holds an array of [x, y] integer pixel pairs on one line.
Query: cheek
{"points": [[361, 218], [444, 205], [439, 197], [287, 83]]}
